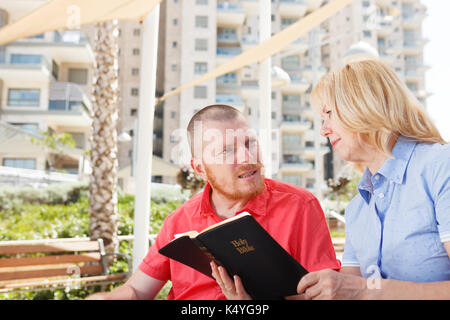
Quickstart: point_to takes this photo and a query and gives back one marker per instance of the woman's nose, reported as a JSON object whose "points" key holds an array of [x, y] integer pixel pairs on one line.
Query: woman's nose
{"points": [[325, 129]]}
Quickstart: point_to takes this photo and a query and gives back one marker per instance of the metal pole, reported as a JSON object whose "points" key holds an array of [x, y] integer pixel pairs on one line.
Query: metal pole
{"points": [[145, 130], [265, 90], [318, 159]]}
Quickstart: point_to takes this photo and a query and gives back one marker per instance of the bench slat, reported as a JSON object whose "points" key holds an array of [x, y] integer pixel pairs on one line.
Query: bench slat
{"points": [[31, 261], [50, 247], [67, 281], [51, 271]]}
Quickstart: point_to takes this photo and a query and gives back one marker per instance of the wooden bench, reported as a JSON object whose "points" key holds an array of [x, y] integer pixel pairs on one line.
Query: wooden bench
{"points": [[53, 264]]}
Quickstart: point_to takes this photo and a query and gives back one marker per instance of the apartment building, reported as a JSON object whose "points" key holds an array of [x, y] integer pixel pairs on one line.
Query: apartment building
{"points": [[45, 86], [393, 28], [45, 79], [195, 36]]}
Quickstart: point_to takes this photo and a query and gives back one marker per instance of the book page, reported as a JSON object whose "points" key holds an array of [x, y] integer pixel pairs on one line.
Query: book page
{"points": [[240, 215]]}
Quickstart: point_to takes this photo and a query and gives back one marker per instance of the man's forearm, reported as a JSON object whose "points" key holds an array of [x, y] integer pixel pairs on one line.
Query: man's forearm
{"points": [[124, 292], [395, 289]]}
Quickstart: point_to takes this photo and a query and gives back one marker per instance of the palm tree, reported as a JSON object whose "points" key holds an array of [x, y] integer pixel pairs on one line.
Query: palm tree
{"points": [[104, 152]]}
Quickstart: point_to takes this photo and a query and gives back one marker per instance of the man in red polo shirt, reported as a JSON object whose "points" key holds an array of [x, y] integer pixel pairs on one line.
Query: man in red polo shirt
{"points": [[225, 153]]}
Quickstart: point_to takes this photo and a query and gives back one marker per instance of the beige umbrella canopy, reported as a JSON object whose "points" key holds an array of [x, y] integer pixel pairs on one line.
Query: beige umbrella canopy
{"points": [[70, 14]]}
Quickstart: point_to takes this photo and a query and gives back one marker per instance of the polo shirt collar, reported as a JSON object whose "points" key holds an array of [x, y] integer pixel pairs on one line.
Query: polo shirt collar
{"points": [[393, 169], [255, 206]]}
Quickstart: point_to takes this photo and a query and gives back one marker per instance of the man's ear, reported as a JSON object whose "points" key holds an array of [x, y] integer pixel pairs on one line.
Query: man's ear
{"points": [[199, 169]]}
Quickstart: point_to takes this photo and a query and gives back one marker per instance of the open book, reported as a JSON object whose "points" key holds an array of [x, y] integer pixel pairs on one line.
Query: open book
{"points": [[242, 247]]}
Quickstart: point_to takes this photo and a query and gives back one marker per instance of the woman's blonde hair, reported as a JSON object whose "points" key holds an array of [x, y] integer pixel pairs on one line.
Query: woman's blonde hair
{"points": [[368, 98]]}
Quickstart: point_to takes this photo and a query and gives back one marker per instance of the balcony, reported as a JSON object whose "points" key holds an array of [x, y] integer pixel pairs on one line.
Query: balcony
{"points": [[309, 137], [233, 100], [414, 74], [67, 46], [20, 67], [298, 84], [294, 124], [414, 20], [248, 42], [313, 4], [414, 47], [230, 14], [227, 38], [383, 3], [224, 54], [250, 88], [309, 152], [385, 25], [292, 8], [308, 72], [298, 46], [250, 6], [299, 166], [68, 106]]}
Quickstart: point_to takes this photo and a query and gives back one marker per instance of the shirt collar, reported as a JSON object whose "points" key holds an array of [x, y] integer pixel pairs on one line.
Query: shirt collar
{"points": [[393, 168], [255, 206]]}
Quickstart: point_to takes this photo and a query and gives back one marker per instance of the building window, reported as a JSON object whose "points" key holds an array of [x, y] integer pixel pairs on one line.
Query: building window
{"points": [[201, 2], [19, 163], [291, 100], [78, 76], [367, 34], [200, 67], [136, 32], [135, 71], [24, 97], [290, 62], [174, 67], [174, 44], [26, 59], [201, 44], [200, 92], [136, 51], [134, 92], [201, 21], [173, 114], [175, 22]]}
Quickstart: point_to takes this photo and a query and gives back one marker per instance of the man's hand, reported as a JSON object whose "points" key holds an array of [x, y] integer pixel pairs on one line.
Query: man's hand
{"points": [[329, 284], [233, 290]]}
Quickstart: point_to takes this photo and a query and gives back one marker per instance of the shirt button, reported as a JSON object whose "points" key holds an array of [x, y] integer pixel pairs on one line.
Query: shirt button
{"points": [[381, 195]]}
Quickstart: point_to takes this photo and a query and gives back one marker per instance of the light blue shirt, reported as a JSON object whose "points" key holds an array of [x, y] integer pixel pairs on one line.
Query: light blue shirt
{"points": [[397, 225]]}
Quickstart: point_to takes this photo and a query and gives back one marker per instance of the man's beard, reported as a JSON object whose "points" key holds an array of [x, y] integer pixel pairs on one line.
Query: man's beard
{"points": [[235, 193]]}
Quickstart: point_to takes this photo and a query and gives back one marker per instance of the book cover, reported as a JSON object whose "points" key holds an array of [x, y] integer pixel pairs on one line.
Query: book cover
{"points": [[242, 246]]}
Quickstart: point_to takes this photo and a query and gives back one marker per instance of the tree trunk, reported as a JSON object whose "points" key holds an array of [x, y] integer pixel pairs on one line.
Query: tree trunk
{"points": [[104, 162]]}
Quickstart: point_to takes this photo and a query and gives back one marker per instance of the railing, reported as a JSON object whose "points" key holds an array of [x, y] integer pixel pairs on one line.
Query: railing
{"points": [[229, 51], [37, 175]]}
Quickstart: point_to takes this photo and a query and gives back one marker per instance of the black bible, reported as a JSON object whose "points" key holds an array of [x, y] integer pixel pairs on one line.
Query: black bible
{"points": [[242, 246]]}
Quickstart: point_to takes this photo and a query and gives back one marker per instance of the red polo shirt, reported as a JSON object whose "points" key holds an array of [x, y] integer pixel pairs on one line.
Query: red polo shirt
{"points": [[291, 215]]}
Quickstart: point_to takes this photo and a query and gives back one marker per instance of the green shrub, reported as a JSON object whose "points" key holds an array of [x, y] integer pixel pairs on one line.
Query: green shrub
{"points": [[28, 214]]}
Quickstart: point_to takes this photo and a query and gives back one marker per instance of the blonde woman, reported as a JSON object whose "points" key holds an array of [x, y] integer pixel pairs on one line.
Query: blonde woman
{"points": [[398, 226]]}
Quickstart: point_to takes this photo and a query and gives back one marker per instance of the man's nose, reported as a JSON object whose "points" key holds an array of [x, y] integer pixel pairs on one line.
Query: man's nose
{"points": [[246, 155]]}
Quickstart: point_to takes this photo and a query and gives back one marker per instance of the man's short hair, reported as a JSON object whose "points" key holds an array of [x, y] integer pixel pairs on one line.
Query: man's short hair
{"points": [[215, 112]]}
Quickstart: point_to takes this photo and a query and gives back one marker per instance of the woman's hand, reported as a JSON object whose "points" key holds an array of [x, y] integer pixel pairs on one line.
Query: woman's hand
{"points": [[329, 284], [233, 290]]}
